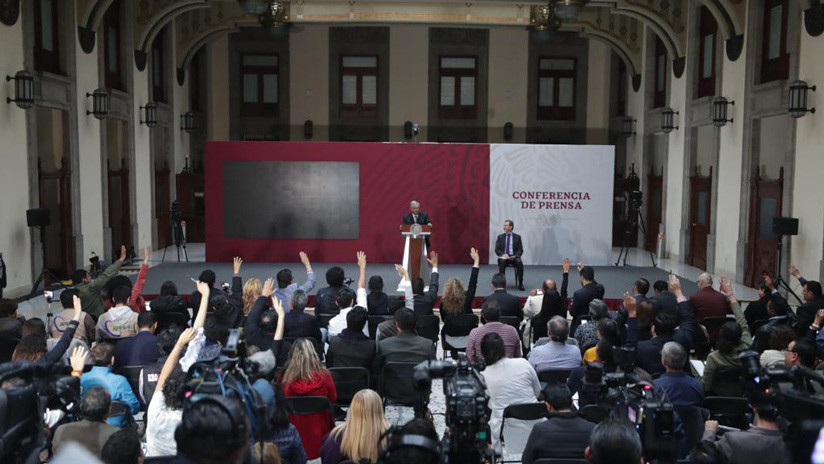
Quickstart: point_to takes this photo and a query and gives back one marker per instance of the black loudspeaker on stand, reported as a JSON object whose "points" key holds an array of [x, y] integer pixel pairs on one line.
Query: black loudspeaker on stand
{"points": [[782, 226], [40, 218]]}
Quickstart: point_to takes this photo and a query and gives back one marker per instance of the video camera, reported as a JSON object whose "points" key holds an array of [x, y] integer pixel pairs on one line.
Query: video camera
{"points": [[794, 392], [27, 390], [626, 396], [228, 374], [467, 438]]}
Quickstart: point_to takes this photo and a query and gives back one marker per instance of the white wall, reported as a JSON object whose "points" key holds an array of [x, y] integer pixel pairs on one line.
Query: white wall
{"points": [[674, 182], [636, 106], [180, 105], [809, 166], [598, 85], [143, 168], [730, 162], [508, 50], [408, 77], [15, 242], [309, 79], [89, 156]]}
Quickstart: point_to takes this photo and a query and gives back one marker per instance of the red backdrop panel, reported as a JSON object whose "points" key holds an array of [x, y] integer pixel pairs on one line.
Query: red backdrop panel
{"points": [[450, 180]]}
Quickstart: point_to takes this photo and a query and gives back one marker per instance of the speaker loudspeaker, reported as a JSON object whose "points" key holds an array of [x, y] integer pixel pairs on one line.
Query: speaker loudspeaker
{"points": [[38, 217], [407, 130], [308, 129], [508, 128], [785, 226]]}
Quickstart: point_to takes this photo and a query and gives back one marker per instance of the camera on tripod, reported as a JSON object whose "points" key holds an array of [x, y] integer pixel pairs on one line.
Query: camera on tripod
{"points": [[467, 413], [636, 199]]}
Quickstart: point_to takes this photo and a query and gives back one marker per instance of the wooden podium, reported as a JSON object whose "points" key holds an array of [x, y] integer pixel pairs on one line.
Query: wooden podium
{"points": [[413, 249]]}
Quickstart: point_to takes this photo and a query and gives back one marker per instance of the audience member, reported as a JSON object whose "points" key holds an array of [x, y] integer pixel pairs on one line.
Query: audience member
{"points": [[169, 302], [346, 299], [388, 328], [213, 430], [123, 447], [564, 436], [252, 290], [300, 324], [457, 301], [590, 290], [762, 443], [304, 376], [801, 352], [614, 441], [89, 289], [11, 323], [377, 302], [587, 333], [91, 431], [227, 308], [33, 326], [640, 289], [780, 315], [361, 437], [663, 296], [557, 354], [285, 437], [780, 339], [151, 372], [351, 348], [136, 301], [166, 408], [417, 442], [541, 306], [424, 301], [326, 298], [757, 310], [734, 337], [707, 302], [508, 304], [490, 316], [405, 346], [101, 374], [140, 349], [681, 389], [261, 321], [60, 322], [119, 321], [608, 330], [287, 285], [813, 301], [508, 381]]}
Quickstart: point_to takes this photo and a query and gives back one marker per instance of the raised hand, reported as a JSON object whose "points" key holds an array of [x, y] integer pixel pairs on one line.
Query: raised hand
{"points": [[580, 266], [78, 307], [794, 270], [819, 317], [236, 263], [433, 259], [187, 336], [566, 264], [674, 284], [402, 271], [268, 287], [476, 258], [122, 253], [78, 359], [278, 307], [768, 281], [305, 260], [361, 259], [203, 288], [630, 304], [725, 287]]}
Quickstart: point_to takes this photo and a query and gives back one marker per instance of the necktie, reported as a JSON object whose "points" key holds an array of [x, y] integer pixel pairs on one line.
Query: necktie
{"points": [[414, 218], [508, 247]]}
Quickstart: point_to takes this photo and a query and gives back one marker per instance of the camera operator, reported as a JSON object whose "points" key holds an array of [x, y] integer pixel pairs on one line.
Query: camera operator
{"points": [[763, 443], [213, 430], [417, 442], [614, 441]]}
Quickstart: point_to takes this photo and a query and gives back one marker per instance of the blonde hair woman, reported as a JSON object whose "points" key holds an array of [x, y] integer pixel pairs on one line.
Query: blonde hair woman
{"points": [[304, 376], [251, 291], [457, 301], [359, 437]]}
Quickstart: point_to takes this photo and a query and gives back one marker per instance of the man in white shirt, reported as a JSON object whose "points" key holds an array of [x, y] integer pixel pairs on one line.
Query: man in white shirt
{"points": [[119, 321], [345, 303]]}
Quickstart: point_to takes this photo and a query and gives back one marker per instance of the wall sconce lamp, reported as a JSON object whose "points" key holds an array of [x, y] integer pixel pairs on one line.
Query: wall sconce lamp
{"points": [[799, 96], [628, 126], [23, 89], [719, 111], [100, 103], [149, 114], [668, 120], [187, 122]]}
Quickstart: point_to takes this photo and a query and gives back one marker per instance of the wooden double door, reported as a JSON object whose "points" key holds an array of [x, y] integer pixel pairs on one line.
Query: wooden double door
{"points": [[700, 218], [766, 196]]}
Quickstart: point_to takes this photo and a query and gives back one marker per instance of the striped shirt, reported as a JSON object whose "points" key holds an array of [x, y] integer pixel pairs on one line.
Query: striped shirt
{"points": [[512, 342]]}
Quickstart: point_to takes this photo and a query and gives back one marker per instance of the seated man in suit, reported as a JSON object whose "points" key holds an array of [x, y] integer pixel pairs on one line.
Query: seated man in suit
{"points": [[509, 248], [142, 348], [405, 346], [508, 304], [416, 216], [564, 435], [707, 301], [424, 302], [664, 297], [352, 348], [325, 298]]}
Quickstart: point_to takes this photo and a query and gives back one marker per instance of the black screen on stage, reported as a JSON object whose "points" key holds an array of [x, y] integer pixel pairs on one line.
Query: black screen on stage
{"points": [[290, 199]]}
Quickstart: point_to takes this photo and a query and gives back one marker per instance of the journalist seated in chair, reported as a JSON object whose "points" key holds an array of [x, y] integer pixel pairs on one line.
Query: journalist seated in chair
{"points": [[169, 305], [614, 441], [557, 354], [351, 348], [91, 431], [405, 346], [140, 349], [564, 435], [681, 388]]}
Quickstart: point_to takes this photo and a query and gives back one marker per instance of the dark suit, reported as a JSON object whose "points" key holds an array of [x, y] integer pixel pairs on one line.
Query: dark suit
{"points": [[648, 352], [805, 314], [299, 324], [581, 299], [403, 347], [509, 304], [350, 350], [424, 302], [422, 219], [664, 300], [325, 300], [757, 310], [517, 251], [564, 435]]}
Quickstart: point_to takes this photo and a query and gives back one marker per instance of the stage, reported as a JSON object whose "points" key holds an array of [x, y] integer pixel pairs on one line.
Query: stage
{"points": [[616, 280]]}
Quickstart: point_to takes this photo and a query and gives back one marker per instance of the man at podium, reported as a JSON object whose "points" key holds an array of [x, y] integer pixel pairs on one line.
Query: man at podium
{"points": [[415, 216]]}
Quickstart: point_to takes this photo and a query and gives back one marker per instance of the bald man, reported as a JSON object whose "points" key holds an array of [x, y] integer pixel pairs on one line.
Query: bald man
{"points": [[707, 302]]}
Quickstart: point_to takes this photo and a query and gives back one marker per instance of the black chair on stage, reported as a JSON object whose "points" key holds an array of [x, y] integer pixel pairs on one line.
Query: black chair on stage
{"points": [[348, 381]]}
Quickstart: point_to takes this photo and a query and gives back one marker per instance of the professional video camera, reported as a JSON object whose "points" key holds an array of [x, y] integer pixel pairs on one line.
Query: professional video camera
{"points": [[228, 374], [626, 396], [468, 438], [27, 390], [796, 392]]}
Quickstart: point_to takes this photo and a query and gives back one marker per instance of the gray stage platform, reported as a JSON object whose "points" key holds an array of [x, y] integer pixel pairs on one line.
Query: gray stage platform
{"points": [[616, 280]]}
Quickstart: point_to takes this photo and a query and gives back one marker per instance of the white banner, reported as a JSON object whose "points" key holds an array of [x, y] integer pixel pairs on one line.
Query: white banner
{"points": [[558, 196]]}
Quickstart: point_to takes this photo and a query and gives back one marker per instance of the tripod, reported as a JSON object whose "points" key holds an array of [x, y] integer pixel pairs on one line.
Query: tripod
{"points": [[779, 281], [180, 241], [44, 272], [638, 222]]}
